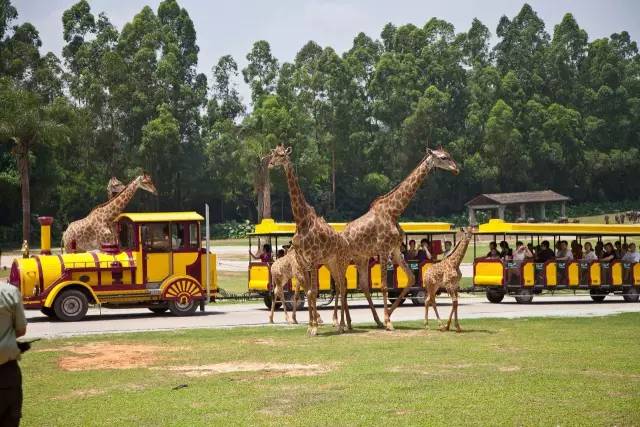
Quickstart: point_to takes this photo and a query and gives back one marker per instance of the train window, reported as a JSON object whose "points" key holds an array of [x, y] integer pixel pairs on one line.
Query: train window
{"points": [[177, 236], [194, 238], [155, 237], [126, 237]]}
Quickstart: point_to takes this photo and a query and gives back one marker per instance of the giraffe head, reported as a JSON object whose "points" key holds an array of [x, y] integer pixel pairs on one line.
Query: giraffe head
{"points": [[146, 184], [279, 156], [442, 159], [114, 187], [467, 233]]}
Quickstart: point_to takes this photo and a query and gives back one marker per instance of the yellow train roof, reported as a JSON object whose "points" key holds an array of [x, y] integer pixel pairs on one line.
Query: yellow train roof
{"points": [[270, 227], [160, 216], [498, 226]]}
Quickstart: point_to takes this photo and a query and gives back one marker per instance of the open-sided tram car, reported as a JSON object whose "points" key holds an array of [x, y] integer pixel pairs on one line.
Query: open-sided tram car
{"points": [[596, 277], [158, 263], [279, 234]]}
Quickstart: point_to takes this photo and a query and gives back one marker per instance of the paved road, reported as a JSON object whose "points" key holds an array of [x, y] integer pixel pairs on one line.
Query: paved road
{"points": [[230, 315]]}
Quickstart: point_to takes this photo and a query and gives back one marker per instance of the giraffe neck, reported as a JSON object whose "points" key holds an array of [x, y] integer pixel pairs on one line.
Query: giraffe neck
{"points": [[396, 201], [299, 204], [458, 253], [115, 206]]}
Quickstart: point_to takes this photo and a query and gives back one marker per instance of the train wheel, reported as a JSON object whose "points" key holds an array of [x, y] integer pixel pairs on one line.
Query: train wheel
{"points": [[183, 308], [597, 295], [267, 302], [159, 310], [524, 296], [288, 297], [392, 301], [631, 294], [49, 312], [71, 305], [418, 297], [183, 295], [495, 296]]}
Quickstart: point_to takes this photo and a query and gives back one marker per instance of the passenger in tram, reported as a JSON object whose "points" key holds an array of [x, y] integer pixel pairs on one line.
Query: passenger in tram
{"points": [[448, 248], [609, 253], [424, 253], [563, 253], [599, 249], [266, 255], [545, 253], [632, 255], [493, 251], [532, 251], [576, 251], [521, 254], [618, 249], [505, 251], [412, 252], [280, 253], [589, 254], [403, 250]]}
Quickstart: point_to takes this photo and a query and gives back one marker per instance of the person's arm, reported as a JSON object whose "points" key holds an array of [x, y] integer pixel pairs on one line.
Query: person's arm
{"points": [[254, 256], [19, 321]]}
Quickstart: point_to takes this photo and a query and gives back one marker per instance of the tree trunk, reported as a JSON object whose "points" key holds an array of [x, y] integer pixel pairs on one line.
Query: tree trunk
{"points": [[22, 151], [263, 189], [333, 176]]}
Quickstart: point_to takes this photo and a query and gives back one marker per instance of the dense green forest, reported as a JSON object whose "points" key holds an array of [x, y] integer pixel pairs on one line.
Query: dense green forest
{"points": [[542, 108]]}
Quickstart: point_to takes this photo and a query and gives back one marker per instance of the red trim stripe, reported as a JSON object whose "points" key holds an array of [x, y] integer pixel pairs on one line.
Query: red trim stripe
{"points": [[62, 267], [40, 274], [97, 261]]}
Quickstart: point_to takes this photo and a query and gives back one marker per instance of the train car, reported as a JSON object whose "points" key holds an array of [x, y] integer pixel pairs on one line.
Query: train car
{"points": [[523, 280], [279, 234], [158, 262]]}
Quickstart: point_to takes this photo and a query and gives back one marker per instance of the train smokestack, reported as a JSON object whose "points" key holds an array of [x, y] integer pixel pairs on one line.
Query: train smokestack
{"points": [[45, 234]]}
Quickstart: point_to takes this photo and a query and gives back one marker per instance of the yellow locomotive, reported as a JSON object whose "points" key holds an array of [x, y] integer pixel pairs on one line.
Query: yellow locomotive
{"points": [[158, 263]]}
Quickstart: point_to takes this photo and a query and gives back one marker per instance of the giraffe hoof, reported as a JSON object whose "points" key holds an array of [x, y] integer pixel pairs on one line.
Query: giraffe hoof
{"points": [[294, 321], [380, 324], [458, 330], [311, 332], [389, 327], [320, 322]]}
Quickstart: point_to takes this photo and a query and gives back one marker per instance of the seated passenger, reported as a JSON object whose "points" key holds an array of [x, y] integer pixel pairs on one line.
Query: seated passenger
{"points": [[589, 254], [531, 251], [505, 251], [412, 252], [519, 256], [599, 249], [493, 251], [448, 248], [618, 250], [632, 255], [403, 250], [545, 253], [265, 255], [280, 253], [423, 252], [609, 253], [563, 254], [576, 251]]}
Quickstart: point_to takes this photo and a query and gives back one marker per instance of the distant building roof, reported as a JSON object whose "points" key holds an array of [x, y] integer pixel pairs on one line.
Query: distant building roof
{"points": [[517, 198]]}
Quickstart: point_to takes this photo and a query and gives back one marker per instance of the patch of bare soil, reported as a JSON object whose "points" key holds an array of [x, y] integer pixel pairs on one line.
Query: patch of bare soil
{"points": [[105, 355], [262, 341], [288, 369], [376, 333], [509, 368]]}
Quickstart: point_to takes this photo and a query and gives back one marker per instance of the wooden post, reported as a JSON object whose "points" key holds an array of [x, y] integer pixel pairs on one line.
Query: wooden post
{"points": [[543, 213], [563, 209], [501, 210], [472, 216], [523, 211]]}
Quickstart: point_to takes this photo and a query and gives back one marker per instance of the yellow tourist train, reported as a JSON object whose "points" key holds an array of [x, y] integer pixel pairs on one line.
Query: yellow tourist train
{"points": [[279, 234], [524, 278], [158, 263]]}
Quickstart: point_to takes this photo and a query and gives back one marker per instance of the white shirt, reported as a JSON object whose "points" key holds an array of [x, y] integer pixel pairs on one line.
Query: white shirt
{"points": [[631, 257], [589, 256]]}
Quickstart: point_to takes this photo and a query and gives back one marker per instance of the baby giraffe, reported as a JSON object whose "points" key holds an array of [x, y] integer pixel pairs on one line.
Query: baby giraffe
{"points": [[284, 269], [446, 275]]}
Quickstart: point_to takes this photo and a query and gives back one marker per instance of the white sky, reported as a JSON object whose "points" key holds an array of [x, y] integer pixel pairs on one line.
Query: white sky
{"points": [[231, 27]]}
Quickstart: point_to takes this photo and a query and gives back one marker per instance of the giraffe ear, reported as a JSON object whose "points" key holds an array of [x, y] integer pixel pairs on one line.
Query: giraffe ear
{"points": [[429, 150], [288, 150]]}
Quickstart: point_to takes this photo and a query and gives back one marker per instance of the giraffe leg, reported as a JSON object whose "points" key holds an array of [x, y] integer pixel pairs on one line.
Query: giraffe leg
{"points": [[383, 288], [295, 303], [313, 287], [432, 301], [273, 303], [455, 307], [338, 273], [398, 259], [336, 296], [284, 303], [363, 284]]}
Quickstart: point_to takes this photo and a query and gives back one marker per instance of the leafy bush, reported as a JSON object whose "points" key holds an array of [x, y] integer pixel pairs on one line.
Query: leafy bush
{"points": [[231, 230]]}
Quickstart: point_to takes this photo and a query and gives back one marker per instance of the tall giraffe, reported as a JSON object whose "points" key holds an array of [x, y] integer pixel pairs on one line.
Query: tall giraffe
{"points": [[96, 228], [315, 241], [378, 234], [446, 275]]}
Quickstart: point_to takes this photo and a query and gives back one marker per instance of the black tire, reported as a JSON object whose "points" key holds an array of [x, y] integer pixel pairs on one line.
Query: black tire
{"points": [[392, 300], [267, 303], [524, 296], [288, 297], [71, 305], [186, 309], [631, 294], [159, 310], [495, 296], [418, 297], [48, 311], [597, 295]]}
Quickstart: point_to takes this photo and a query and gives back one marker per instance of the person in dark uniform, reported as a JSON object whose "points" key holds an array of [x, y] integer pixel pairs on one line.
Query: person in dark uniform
{"points": [[12, 325]]}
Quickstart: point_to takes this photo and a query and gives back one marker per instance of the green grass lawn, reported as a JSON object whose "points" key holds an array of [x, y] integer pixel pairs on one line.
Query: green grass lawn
{"points": [[4, 273], [563, 371], [233, 281]]}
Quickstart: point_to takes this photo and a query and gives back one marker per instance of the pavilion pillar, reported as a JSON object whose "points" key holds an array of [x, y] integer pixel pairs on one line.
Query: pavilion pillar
{"points": [[472, 217], [563, 210], [543, 213], [523, 211], [501, 210]]}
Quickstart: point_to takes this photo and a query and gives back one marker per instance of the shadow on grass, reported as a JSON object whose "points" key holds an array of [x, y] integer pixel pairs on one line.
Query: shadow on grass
{"points": [[117, 316]]}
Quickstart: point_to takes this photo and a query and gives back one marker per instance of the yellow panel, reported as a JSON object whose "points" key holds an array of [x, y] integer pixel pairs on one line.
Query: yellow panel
{"points": [[270, 227], [401, 278], [498, 226], [160, 216], [596, 274], [551, 273], [616, 274], [352, 277], [182, 259], [529, 274], [574, 274], [488, 273], [214, 274], [636, 274], [158, 266], [259, 278], [374, 274], [324, 278]]}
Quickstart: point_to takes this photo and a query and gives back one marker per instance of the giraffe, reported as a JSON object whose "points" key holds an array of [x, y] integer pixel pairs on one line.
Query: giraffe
{"points": [[96, 228], [114, 187], [378, 234], [446, 275], [315, 242]]}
